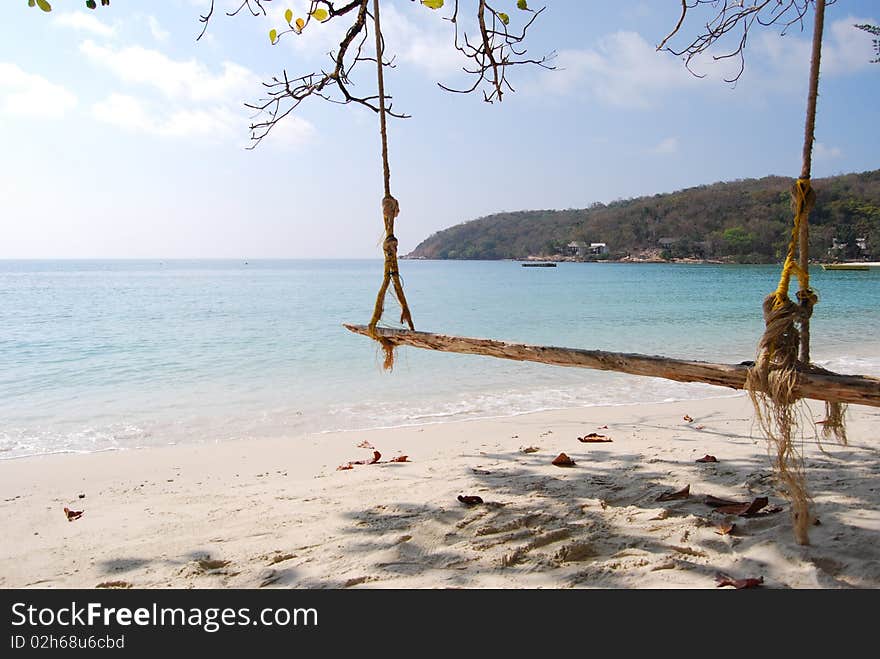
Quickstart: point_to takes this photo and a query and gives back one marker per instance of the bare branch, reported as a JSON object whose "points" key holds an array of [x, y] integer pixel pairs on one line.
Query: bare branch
{"points": [[205, 19], [733, 17]]}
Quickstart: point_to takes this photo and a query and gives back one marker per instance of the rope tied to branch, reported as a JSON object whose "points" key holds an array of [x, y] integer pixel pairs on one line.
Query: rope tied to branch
{"points": [[784, 349], [771, 381], [390, 211]]}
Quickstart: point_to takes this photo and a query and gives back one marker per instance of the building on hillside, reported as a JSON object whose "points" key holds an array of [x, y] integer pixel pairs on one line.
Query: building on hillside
{"points": [[576, 248], [582, 250], [861, 246]]}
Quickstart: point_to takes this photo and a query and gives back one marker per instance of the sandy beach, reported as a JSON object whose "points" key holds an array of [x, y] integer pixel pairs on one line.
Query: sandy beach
{"points": [[280, 514]]}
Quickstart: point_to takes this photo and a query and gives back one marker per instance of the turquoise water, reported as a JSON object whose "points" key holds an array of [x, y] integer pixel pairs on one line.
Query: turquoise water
{"points": [[97, 355]]}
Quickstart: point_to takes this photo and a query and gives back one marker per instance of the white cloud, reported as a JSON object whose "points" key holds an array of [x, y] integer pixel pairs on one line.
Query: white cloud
{"points": [[290, 132], [845, 50], [176, 79], [30, 95], [84, 22], [422, 40], [208, 124], [124, 111], [823, 152], [183, 98], [624, 70], [156, 29], [666, 146], [135, 114]]}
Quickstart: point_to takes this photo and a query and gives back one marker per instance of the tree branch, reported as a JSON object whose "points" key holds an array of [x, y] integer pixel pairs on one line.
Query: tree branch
{"points": [[733, 17]]}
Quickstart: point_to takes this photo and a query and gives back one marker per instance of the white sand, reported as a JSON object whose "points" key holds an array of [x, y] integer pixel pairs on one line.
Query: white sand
{"points": [[279, 514]]}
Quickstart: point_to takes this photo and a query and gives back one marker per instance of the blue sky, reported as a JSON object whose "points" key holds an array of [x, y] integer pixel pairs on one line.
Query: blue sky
{"points": [[122, 137]]}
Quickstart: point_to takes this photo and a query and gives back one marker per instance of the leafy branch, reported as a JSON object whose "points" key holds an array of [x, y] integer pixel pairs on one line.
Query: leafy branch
{"points": [[496, 48], [46, 6]]}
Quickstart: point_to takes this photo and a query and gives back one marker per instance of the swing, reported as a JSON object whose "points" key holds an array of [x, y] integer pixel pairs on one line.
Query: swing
{"points": [[780, 376]]}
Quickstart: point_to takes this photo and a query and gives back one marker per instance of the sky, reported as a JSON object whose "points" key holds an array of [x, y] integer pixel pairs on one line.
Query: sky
{"points": [[121, 136]]}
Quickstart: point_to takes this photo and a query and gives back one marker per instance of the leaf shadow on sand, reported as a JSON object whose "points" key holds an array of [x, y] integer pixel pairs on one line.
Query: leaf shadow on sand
{"points": [[202, 569], [599, 524]]}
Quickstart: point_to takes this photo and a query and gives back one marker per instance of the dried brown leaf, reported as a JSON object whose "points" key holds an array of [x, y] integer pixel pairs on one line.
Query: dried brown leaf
{"points": [[688, 418], [72, 514], [470, 499], [400, 458], [709, 500], [744, 509], [529, 449], [725, 529], [374, 460], [594, 438], [708, 458], [562, 460], [683, 493], [739, 584]]}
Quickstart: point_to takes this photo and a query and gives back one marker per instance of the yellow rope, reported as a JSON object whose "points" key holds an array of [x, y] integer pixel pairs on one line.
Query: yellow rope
{"points": [[803, 200]]}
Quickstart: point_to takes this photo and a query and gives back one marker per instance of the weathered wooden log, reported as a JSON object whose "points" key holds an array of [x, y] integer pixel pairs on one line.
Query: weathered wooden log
{"points": [[857, 389]]}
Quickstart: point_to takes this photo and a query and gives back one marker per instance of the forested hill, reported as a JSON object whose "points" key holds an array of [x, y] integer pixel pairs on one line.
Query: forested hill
{"points": [[745, 221]]}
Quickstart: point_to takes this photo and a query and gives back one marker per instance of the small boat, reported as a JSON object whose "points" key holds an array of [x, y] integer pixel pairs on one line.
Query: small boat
{"points": [[850, 266], [539, 265]]}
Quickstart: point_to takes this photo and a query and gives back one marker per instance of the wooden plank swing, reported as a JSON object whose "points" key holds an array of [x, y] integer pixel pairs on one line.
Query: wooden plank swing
{"points": [[815, 384], [811, 381], [780, 376]]}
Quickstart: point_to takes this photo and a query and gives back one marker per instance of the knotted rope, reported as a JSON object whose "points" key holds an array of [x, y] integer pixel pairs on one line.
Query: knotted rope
{"points": [[771, 381], [390, 211]]}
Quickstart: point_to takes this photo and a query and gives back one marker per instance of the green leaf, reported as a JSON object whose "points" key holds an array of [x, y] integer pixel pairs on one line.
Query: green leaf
{"points": [[273, 35], [320, 15], [288, 16], [433, 4], [91, 4], [504, 17], [522, 4], [45, 6], [32, 3]]}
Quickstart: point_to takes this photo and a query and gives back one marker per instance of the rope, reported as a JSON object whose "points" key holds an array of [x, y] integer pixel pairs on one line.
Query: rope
{"points": [[784, 348], [390, 211], [803, 198], [771, 381]]}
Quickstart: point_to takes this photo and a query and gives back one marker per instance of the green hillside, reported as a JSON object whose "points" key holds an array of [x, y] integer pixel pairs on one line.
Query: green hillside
{"points": [[746, 221]]}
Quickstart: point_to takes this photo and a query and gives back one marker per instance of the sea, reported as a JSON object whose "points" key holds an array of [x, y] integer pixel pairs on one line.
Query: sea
{"points": [[116, 355]]}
